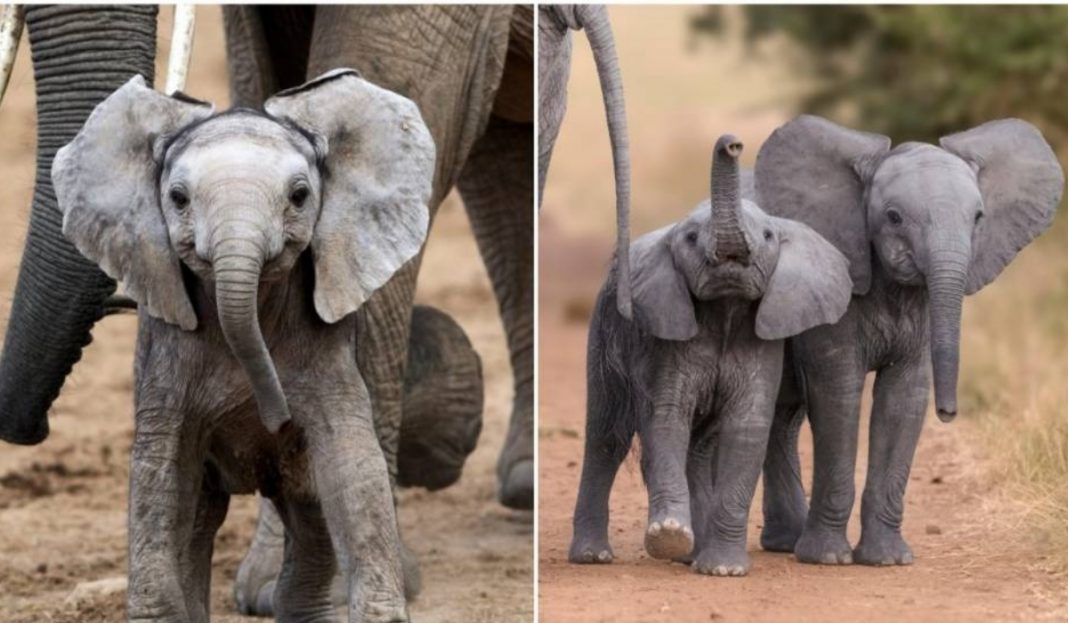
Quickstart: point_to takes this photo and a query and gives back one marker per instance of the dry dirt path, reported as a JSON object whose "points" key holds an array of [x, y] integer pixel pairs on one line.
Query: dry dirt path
{"points": [[967, 568]]}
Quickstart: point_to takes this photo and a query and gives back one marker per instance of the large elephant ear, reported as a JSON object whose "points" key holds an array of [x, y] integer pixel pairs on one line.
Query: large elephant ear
{"points": [[810, 285], [106, 183], [379, 172], [662, 303], [814, 171], [1021, 182]]}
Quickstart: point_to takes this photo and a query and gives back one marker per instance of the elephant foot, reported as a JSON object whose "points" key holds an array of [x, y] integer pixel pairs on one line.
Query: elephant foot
{"points": [[722, 560], [668, 539], [823, 547], [882, 547], [587, 550], [517, 486], [780, 537]]}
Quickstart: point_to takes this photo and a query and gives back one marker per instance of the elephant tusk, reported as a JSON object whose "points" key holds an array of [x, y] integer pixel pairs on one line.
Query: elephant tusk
{"points": [[12, 19], [185, 21]]}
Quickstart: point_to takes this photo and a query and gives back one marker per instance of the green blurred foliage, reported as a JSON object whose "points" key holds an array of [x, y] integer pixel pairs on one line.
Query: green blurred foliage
{"points": [[921, 72]]}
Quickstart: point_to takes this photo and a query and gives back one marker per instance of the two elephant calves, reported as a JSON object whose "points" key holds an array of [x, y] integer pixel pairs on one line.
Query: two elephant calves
{"points": [[868, 278]]}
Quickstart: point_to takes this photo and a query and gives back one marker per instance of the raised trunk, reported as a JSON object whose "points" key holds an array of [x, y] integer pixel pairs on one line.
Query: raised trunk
{"points": [[81, 55], [237, 261], [945, 285], [727, 235], [594, 20]]}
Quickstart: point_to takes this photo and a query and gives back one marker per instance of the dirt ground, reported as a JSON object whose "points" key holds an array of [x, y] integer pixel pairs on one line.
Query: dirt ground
{"points": [[63, 503], [974, 561]]}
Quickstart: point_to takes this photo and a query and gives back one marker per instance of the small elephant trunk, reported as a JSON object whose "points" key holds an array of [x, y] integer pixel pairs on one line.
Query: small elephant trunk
{"points": [[727, 241], [945, 285], [238, 262]]}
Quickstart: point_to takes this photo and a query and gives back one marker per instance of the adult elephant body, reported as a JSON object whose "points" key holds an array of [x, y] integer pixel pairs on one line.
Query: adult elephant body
{"points": [[463, 66]]}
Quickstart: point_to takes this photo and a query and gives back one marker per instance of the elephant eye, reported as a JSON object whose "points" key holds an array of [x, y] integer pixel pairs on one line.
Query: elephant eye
{"points": [[978, 216], [299, 195], [179, 197], [691, 237], [767, 234], [893, 216]]}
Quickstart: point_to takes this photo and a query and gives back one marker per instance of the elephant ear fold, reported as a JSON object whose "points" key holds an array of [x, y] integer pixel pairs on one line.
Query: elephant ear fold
{"points": [[814, 171], [106, 182], [810, 285], [662, 303], [378, 178], [1021, 183]]}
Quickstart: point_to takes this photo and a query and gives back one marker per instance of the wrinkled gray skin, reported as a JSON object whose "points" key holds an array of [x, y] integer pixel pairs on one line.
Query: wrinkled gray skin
{"points": [[696, 374], [468, 68], [555, 23], [247, 263], [922, 226]]}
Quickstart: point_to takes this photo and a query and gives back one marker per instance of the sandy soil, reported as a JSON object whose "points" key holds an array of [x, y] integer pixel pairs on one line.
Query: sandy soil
{"points": [[63, 503], [973, 561]]}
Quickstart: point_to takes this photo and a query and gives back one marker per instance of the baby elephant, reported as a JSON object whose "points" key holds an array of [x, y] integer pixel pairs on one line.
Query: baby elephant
{"points": [[696, 374], [246, 374]]}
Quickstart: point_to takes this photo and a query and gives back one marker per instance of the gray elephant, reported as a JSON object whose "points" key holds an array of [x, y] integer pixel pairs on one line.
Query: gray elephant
{"points": [[922, 226], [469, 70], [696, 374], [555, 23], [249, 240]]}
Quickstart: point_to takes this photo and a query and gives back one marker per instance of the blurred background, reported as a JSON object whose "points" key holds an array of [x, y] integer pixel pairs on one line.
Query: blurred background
{"points": [[63, 503], [913, 73]]}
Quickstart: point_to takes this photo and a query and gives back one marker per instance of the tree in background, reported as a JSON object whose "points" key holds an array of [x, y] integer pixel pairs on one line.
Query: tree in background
{"points": [[921, 72]]}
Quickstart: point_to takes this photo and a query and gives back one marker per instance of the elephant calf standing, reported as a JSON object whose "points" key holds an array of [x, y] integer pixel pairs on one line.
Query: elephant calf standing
{"points": [[248, 239], [696, 374]]}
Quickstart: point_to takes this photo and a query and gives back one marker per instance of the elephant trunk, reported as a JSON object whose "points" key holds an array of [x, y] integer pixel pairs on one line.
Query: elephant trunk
{"points": [[727, 238], [945, 285], [81, 54], [594, 20], [238, 260]]}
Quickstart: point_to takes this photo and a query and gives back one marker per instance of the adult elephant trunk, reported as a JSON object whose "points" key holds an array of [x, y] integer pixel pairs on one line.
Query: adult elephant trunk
{"points": [[238, 260], [594, 20], [945, 285], [80, 56], [726, 231]]}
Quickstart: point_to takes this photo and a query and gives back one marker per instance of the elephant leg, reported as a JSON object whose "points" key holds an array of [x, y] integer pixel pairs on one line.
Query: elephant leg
{"points": [[665, 441], [834, 393], [700, 477], [785, 506], [165, 474], [353, 487], [743, 424], [900, 404], [498, 192], [196, 558], [255, 584], [304, 587]]}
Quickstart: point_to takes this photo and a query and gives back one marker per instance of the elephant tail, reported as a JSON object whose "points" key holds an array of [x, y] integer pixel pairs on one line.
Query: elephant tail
{"points": [[442, 403], [594, 21]]}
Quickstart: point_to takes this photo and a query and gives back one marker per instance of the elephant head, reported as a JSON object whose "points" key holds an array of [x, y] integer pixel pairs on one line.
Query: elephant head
{"points": [[337, 166], [947, 218], [729, 248]]}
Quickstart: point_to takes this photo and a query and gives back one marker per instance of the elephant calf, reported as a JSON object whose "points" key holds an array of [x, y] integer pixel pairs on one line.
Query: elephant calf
{"points": [[696, 374], [246, 375]]}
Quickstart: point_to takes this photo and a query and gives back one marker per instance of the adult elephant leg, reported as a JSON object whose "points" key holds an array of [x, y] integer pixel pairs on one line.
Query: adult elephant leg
{"points": [[784, 505], [835, 383], [81, 54], [900, 404], [498, 192]]}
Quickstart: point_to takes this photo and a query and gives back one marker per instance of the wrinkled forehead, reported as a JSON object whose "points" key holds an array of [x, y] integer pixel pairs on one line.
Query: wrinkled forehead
{"points": [[919, 163], [239, 137]]}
